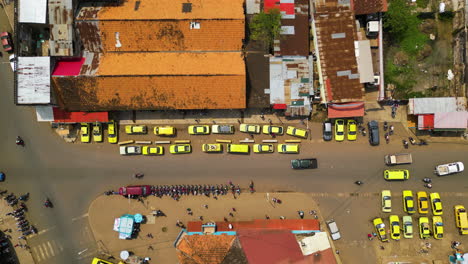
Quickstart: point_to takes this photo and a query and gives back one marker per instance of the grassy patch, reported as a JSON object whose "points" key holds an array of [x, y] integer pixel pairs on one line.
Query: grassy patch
{"points": [[413, 41], [422, 3]]}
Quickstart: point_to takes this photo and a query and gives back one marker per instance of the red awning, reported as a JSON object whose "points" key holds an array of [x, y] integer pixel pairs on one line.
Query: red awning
{"points": [[346, 110], [68, 67], [425, 122], [280, 106], [61, 116]]}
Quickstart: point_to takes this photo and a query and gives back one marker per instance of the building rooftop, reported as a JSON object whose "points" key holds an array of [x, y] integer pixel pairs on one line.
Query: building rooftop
{"points": [[364, 7], [165, 9], [33, 77], [278, 224], [335, 30], [161, 35], [201, 249]]}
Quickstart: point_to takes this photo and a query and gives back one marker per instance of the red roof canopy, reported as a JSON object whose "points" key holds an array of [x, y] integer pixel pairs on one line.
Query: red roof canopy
{"points": [[61, 116], [426, 122], [346, 110], [68, 67], [287, 8]]}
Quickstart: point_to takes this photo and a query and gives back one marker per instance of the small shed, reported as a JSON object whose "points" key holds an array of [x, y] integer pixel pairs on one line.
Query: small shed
{"points": [[33, 77]]}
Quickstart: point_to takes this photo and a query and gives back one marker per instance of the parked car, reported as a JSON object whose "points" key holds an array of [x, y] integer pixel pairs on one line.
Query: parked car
{"points": [[424, 230], [437, 227], [153, 151], [407, 226], [180, 149], [97, 132], [408, 202], [164, 131], [395, 230], [396, 175], [12, 59], [199, 130], [380, 229], [252, 129], [339, 130], [100, 261], [334, 231], [6, 42], [263, 148], [423, 203], [373, 127], [269, 129], [238, 148], [327, 131], [297, 132], [212, 147], [137, 190], [300, 164], [288, 148], [136, 129], [222, 129], [461, 219], [436, 203], [352, 130], [386, 197], [112, 132], [450, 168], [130, 150], [85, 131]]}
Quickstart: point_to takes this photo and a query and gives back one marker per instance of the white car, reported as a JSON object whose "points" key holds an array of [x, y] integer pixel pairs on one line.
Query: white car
{"points": [[130, 150], [450, 168], [12, 59]]}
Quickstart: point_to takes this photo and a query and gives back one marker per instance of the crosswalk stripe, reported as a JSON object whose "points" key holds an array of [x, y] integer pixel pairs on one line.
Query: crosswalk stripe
{"points": [[43, 251], [36, 253], [52, 253]]}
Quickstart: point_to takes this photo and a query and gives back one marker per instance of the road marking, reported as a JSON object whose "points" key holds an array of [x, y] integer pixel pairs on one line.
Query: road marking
{"points": [[79, 217], [52, 252], [36, 253], [45, 230]]}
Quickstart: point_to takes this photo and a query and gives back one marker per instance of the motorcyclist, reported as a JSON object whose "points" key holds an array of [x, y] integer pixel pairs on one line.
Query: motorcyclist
{"points": [[19, 141], [358, 182], [48, 203]]}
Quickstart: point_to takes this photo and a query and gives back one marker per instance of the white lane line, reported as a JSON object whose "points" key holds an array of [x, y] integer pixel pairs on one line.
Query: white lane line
{"points": [[52, 252], [79, 217], [45, 230]]}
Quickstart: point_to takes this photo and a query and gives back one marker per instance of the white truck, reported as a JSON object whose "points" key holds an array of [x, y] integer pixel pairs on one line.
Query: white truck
{"points": [[449, 168], [334, 231], [399, 158]]}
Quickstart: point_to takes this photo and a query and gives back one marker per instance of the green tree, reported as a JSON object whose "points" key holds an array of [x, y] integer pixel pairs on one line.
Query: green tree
{"points": [[399, 18], [266, 27]]}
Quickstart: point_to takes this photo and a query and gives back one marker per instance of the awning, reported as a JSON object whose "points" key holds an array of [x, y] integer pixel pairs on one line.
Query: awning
{"points": [[346, 110], [425, 122], [68, 67], [280, 106], [61, 116]]}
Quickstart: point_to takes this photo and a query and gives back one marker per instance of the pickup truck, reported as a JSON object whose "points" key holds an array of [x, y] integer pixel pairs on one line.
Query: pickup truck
{"points": [[299, 164], [222, 129], [400, 158], [450, 168], [130, 150]]}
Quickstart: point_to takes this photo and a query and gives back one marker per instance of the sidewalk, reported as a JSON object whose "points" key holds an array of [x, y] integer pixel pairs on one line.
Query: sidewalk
{"points": [[9, 10], [105, 209], [8, 222]]}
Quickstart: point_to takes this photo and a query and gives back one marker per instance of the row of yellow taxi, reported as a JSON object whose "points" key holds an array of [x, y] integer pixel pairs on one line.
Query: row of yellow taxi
{"points": [[97, 132], [409, 204], [406, 227]]}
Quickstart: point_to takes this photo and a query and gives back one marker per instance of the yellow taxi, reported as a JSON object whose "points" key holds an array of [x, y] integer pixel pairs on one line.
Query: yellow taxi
{"points": [[85, 127], [297, 132], [152, 151], [97, 132], [199, 130], [408, 202], [269, 129], [437, 227], [112, 132], [423, 203], [180, 148], [407, 226], [386, 197], [252, 129], [238, 148], [164, 131], [288, 148], [100, 261], [424, 230], [395, 230], [461, 219], [212, 148], [436, 204], [396, 175], [352, 130], [339, 130], [263, 148], [380, 229], [136, 129]]}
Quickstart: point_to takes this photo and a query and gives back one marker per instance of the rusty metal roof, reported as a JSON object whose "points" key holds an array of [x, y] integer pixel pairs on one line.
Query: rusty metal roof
{"points": [[364, 7], [336, 33], [61, 27]]}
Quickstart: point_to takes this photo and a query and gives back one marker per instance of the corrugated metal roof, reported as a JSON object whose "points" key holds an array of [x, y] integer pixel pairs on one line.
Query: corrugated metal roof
{"points": [[61, 27], [33, 75], [364, 61], [337, 55], [430, 105], [32, 11], [165, 9], [312, 244], [452, 120], [364, 7]]}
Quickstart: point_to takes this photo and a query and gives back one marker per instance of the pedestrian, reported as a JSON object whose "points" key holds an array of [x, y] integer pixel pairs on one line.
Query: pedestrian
{"points": [[369, 236], [267, 217], [201, 218], [231, 214], [337, 252], [251, 135], [225, 219], [234, 209], [301, 214], [206, 206], [17, 245], [274, 200], [282, 217], [312, 212], [382, 247], [150, 248]]}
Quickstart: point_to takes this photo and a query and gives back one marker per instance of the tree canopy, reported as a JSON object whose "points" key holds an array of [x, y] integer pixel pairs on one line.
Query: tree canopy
{"points": [[266, 27]]}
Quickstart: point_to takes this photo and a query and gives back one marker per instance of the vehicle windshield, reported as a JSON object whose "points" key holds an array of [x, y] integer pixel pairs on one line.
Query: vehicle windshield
{"points": [[439, 224]]}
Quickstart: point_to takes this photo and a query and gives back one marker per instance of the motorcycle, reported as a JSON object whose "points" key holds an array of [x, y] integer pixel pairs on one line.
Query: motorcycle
{"points": [[392, 128], [422, 143], [405, 143], [393, 112], [358, 182], [24, 197], [48, 203], [413, 142], [387, 138], [428, 185], [385, 126], [427, 180], [138, 175], [19, 141]]}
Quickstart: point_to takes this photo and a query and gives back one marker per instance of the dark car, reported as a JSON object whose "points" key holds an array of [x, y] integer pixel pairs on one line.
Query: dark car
{"points": [[137, 190], [327, 131], [373, 133], [6, 41]]}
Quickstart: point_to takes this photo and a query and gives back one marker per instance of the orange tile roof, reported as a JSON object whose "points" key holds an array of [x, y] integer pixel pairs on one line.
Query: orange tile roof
{"points": [[165, 35], [204, 249], [94, 93], [165, 9], [278, 224], [170, 63]]}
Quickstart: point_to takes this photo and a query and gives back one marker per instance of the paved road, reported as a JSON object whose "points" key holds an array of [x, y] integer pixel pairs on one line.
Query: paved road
{"points": [[72, 175]]}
